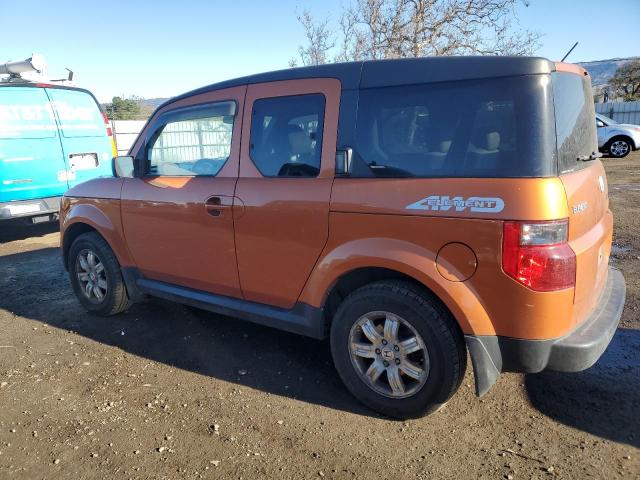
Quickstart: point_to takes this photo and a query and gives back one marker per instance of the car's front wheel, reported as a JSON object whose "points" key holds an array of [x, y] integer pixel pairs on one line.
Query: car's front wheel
{"points": [[397, 350], [95, 276], [619, 147]]}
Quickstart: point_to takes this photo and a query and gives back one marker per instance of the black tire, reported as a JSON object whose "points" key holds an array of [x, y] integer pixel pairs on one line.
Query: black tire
{"points": [[442, 337], [619, 147], [115, 299]]}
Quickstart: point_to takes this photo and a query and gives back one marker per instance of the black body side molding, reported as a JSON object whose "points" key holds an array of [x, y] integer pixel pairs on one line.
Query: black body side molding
{"points": [[302, 319]]}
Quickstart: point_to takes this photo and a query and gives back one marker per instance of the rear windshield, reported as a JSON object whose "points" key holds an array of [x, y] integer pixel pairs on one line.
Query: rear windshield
{"points": [[25, 113], [575, 125], [78, 113], [498, 127]]}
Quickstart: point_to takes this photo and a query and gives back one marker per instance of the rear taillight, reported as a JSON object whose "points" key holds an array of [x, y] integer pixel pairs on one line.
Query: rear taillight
{"points": [[537, 255], [114, 149], [108, 125]]}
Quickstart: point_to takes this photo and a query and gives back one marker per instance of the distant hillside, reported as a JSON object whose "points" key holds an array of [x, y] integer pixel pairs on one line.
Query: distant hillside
{"points": [[148, 105], [602, 70], [153, 102]]}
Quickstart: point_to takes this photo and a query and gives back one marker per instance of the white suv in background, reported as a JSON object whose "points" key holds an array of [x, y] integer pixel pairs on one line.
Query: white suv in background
{"points": [[618, 139]]}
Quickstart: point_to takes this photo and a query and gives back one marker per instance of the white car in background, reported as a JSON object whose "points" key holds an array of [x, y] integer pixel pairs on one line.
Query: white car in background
{"points": [[618, 139]]}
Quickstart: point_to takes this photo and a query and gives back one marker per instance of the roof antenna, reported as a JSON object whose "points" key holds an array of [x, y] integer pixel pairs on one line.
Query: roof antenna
{"points": [[571, 50]]}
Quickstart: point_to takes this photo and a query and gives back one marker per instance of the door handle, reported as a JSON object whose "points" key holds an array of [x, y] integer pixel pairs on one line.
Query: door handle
{"points": [[216, 205]]}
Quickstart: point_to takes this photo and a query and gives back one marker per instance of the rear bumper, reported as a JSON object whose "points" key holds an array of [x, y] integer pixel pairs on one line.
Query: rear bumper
{"points": [[29, 208], [576, 351]]}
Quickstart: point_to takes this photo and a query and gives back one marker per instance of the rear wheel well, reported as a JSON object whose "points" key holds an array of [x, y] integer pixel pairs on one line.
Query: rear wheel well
{"points": [[360, 277], [70, 234]]}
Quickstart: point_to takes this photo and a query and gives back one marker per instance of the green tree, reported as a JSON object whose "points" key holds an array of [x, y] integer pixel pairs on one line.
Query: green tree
{"points": [[123, 108], [626, 81]]}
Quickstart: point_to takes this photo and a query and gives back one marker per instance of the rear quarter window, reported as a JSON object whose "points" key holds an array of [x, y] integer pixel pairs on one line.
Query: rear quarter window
{"points": [[575, 120], [500, 127], [78, 113], [25, 113]]}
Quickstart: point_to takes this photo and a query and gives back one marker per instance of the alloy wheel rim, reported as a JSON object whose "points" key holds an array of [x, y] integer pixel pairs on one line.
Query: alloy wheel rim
{"points": [[389, 354], [92, 276], [619, 148]]}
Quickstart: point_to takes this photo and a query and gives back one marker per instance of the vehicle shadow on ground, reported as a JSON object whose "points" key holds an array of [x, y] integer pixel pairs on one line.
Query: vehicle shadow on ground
{"points": [[12, 231], [34, 285], [603, 400]]}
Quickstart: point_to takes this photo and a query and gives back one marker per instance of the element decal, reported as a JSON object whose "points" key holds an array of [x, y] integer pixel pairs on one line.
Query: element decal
{"points": [[444, 203]]}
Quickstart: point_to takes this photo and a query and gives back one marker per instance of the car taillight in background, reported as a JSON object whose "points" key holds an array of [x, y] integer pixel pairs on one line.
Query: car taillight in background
{"points": [[537, 255], [114, 150]]}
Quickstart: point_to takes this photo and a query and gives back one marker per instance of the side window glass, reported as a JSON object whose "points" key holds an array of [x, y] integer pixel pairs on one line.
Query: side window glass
{"points": [[191, 146], [493, 137], [286, 135], [494, 127]]}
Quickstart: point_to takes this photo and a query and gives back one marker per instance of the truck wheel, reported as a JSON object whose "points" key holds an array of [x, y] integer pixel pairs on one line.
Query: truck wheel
{"points": [[619, 147], [95, 276], [397, 350]]}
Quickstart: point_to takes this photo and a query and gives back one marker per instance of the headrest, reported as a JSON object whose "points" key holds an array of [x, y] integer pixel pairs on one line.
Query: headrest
{"points": [[445, 145], [300, 142], [492, 141]]}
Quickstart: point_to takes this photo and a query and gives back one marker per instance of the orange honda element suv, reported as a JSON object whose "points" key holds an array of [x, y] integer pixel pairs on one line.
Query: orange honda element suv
{"points": [[412, 211]]}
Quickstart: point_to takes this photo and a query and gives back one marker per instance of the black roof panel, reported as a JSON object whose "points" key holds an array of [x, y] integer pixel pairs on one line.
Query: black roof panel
{"points": [[406, 71]]}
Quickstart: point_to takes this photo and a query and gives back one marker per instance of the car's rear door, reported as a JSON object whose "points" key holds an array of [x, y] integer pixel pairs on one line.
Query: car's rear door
{"points": [[177, 213], [584, 179], [287, 166], [31, 159], [87, 146]]}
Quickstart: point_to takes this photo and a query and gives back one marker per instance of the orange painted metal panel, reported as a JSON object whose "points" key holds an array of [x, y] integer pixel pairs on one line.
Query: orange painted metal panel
{"points": [[284, 222], [170, 230]]}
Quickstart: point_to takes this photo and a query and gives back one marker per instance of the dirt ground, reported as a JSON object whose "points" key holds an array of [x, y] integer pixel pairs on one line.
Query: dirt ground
{"points": [[168, 392]]}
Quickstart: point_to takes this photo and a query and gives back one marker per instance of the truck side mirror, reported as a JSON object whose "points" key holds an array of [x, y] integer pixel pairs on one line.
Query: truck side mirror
{"points": [[123, 166]]}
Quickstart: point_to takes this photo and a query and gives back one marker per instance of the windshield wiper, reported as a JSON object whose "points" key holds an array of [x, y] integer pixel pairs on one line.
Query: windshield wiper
{"points": [[587, 158]]}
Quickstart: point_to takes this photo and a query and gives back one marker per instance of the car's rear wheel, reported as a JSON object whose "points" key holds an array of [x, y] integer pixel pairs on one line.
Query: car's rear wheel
{"points": [[397, 350], [619, 147], [95, 276]]}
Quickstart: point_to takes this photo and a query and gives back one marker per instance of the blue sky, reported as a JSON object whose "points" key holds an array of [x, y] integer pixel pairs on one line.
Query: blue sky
{"points": [[162, 48]]}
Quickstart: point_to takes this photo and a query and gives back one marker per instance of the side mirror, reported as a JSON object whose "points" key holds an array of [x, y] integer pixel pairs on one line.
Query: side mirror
{"points": [[123, 167]]}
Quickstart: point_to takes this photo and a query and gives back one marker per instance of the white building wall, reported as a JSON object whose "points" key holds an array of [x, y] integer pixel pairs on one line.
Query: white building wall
{"points": [[126, 132]]}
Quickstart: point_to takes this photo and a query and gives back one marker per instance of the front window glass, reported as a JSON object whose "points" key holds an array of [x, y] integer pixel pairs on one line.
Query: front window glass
{"points": [[191, 147]]}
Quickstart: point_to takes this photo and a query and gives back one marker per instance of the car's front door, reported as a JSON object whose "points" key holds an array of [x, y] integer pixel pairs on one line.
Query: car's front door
{"points": [[287, 166], [177, 212]]}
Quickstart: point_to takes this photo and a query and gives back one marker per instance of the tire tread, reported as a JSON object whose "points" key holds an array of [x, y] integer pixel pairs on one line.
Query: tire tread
{"points": [[119, 298], [439, 318]]}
